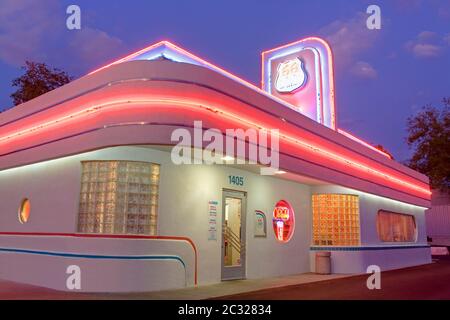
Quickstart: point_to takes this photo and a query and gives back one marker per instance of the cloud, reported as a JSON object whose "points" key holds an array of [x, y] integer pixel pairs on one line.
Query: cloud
{"points": [[447, 39], [36, 30], [408, 4], [349, 38], [427, 44], [444, 11], [426, 50], [93, 45], [426, 36], [363, 70], [24, 24]]}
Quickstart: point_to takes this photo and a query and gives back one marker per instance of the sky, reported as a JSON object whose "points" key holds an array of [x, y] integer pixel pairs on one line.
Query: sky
{"points": [[382, 76]]}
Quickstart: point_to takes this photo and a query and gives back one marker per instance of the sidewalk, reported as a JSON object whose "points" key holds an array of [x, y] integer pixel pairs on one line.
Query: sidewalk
{"points": [[12, 290], [239, 286]]}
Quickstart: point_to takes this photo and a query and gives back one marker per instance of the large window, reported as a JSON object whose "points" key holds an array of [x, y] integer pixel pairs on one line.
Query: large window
{"points": [[335, 220], [396, 227], [118, 197]]}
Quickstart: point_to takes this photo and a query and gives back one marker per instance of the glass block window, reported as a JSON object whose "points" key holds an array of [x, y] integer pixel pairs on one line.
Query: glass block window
{"points": [[118, 197], [335, 220], [396, 227]]}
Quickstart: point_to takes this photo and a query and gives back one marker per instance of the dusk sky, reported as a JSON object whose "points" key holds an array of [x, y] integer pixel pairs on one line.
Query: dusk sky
{"points": [[382, 76]]}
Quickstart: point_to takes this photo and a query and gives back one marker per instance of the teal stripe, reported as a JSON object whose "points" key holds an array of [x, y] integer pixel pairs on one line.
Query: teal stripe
{"points": [[318, 248]]}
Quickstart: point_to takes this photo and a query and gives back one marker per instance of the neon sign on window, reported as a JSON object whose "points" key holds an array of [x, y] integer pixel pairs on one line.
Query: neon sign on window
{"points": [[283, 221]]}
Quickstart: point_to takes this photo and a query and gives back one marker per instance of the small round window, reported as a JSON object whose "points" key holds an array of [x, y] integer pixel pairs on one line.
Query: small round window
{"points": [[24, 211]]}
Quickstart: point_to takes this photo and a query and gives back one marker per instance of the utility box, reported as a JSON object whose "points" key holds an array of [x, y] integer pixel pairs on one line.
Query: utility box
{"points": [[323, 262]]}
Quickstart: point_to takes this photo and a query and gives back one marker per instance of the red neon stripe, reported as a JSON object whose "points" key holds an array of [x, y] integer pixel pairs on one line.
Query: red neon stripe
{"points": [[194, 57], [349, 135], [130, 56], [111, 236], [201, 61], [238, 118]]}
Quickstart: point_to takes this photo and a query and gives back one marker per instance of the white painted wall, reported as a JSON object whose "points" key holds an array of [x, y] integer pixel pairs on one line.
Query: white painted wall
{"points": [[97, 274], [53, 189], [356, 262]]}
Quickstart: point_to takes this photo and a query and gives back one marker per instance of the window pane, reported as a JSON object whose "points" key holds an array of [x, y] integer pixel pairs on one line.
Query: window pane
{"points": [[396, 227], [118, 197], [335, 220]]}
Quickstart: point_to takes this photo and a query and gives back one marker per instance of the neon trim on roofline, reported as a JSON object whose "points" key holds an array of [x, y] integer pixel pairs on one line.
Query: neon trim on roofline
{"points": [[351, 136], [238, 118], [250, 85], [202, 62]]}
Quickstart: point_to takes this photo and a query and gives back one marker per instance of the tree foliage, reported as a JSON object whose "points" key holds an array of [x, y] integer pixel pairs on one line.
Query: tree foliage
{"points": [[381, 148], [37, 80], [429, 137]]}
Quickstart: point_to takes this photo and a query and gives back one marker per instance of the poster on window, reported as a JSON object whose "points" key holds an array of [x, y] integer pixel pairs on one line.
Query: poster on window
{"points": [[212, 219], [260, 224]]}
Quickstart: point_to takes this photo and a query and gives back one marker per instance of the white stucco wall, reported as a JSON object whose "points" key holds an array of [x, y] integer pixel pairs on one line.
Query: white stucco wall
{"points": [[53, 188]]}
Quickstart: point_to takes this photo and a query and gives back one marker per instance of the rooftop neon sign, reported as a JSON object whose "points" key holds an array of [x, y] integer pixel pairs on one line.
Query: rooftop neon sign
{"points": [[316, 98]]}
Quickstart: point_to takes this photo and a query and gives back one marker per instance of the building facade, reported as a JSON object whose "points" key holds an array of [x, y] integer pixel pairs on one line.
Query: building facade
{"points": [[438, 219], [89, 184]]}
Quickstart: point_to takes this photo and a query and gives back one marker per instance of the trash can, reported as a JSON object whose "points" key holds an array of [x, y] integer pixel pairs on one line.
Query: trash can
{"points": [[323, 262]]}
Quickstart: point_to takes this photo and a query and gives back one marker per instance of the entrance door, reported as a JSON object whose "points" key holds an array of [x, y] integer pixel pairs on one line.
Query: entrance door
{"points": [[233, 235]]}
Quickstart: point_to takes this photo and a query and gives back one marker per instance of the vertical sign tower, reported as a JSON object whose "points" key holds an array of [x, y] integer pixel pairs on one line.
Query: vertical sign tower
{"points": [[301, 73]]}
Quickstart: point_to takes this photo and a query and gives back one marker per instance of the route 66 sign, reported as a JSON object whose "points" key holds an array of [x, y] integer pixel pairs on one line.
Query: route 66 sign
{"points": [[291, 76]]}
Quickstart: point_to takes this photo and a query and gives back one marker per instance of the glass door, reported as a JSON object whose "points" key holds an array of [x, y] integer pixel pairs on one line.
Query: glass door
{"points": [[233, 235]]}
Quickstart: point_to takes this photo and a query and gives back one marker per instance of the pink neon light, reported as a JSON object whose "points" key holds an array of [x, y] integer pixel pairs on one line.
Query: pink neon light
{"points": [[201, 61], [235, 117], [283, 221], [349, 135], [330, 71], [111, 236], [130, 56], [194, 57]]}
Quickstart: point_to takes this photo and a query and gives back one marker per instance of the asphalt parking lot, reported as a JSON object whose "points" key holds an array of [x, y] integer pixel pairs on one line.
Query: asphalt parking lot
{"points": [[430, 281]]}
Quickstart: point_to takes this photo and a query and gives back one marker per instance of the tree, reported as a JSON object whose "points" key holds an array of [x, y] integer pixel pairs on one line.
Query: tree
{"points": [[429, 136], [381, 148], [37, 80]]}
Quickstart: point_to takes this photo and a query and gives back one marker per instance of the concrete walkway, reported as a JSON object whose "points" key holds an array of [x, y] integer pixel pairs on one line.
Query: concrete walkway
{"points": [[12, 290], [239, 286]]}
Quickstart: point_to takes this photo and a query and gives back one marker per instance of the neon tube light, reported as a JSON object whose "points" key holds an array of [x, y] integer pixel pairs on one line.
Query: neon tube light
{"points": [[200, 61], [246, 83], [326, 64], [235, 117], [349, 135]]}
